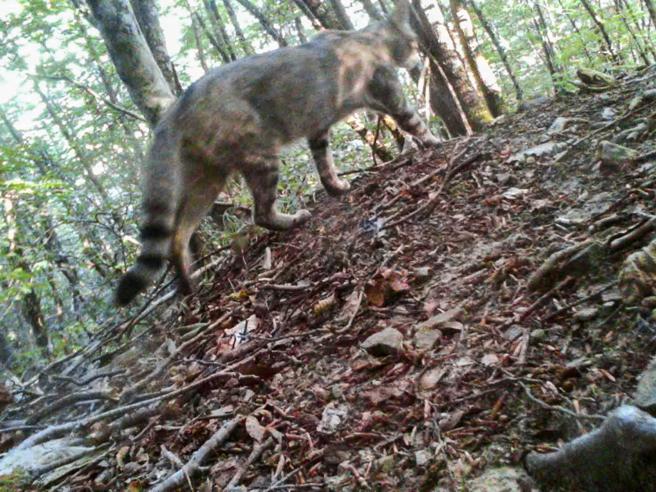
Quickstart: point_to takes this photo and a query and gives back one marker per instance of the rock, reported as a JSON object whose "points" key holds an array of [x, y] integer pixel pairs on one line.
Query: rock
{"points": [[613, 156], [539, 335], [637, 278], [421, 274], [332, 418], [42, 455], [631, 134], [542, 150], [533, 103], [425, 338], [386, 463], [386, 342], [586, 314], [431, 378], [608, 114], [439, 319], [561, 123], [514, 193], [505, 179], [645, 396], [648, 95], [513, 333], [503, 479], [423, 457], [558, 125]]}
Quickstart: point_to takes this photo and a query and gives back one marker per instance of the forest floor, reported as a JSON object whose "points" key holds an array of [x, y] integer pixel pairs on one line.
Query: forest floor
{"points": [[270, 376]]}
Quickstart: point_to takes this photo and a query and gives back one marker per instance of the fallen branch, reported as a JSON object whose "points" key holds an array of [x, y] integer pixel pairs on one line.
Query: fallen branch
{"points": [[616, 457], [543, 276], [569, 306], [252, 458], [432, 201], [613, 123], [199, 457], [636, 234]]}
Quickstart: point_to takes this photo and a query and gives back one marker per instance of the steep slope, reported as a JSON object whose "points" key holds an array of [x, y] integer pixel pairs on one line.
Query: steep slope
{"points": [[491, 345]]}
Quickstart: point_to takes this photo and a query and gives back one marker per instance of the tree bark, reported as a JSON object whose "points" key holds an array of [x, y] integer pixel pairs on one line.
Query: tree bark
{"points": [[621, 13], [148, 18], [342, 16], [220, 32], [326, 15], [542, 30], [299, 30], [646, 39], [617, 457], [483, 74], [87, 165], [225, 56], [200, 51], [264, 22], [134, 62], [499, 49], [467, 100], [30, 303], [649, 5], [602, 30], [372, 11], [243, 42]]}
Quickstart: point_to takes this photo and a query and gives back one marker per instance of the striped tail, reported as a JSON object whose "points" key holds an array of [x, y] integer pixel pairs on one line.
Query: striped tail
{"points": [[161, 198]]}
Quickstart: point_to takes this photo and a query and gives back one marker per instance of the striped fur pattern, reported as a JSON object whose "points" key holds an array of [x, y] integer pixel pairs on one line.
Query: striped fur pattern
{"points": [[238, 117]]}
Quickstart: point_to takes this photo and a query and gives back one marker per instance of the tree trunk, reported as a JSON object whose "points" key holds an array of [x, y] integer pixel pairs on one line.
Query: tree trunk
{"points": [[467, 99], [73, 144], [220, 32], [264, 22], [602, 30], [245, 45], [30, 303], [6, 352], [540, 26], [499, 48], [483, 74], [200, 51], [572, 23], [372, 11], [218, 46], [621, 14], [377, 146], [299, 30], [134, 62], [326, 16], [342, 16], [148, 18], [649, 4], [646, 39]]}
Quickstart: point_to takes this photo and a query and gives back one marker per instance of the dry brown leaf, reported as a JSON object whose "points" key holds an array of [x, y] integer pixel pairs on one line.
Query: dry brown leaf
{"points": [[254, 429]]}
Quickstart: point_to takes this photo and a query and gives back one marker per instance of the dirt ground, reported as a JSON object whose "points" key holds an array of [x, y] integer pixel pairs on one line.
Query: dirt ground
{"points": [[486, 354]]}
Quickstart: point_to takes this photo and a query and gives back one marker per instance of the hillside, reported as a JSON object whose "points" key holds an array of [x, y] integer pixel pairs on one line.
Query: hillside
{"points": [[485, 344]]}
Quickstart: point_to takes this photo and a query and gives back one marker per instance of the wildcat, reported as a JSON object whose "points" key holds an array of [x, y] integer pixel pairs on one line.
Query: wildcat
{"points": [[237, 117]]}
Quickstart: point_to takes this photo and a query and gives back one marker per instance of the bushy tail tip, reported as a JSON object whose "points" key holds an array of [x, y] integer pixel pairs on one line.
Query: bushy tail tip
{"points": [[129, 286]]}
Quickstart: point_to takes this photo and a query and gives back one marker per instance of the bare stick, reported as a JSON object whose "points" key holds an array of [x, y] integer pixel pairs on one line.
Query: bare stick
{"points": [[197, 459], [252, 458], [610, 455]]}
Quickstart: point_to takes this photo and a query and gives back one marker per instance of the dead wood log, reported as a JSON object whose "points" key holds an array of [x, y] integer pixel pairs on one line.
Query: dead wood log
{"points": [[193, 465], [617, 457]]}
